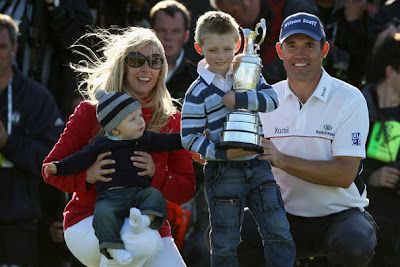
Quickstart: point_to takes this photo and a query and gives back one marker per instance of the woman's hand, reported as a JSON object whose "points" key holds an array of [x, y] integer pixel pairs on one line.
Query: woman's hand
{"points": [[145, 161], [95, 172]]}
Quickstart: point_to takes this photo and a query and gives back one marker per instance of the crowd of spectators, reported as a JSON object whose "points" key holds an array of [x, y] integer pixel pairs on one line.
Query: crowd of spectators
{"points": [[356, 31]]}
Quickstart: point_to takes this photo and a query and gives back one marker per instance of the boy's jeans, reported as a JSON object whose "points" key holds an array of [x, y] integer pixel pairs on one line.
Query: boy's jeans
{"points": [[230, 187]]}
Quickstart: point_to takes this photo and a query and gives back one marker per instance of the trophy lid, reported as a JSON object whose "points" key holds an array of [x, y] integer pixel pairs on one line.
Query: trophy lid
{"points": [[250, 36]]}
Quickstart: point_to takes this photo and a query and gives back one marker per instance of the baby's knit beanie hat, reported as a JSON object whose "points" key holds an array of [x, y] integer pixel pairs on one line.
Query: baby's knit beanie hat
{"points": [[113, 108]]}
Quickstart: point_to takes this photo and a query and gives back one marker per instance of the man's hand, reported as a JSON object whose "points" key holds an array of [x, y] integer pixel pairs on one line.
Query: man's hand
{"points": [[271, 153], [3, 135], [229, 100]]}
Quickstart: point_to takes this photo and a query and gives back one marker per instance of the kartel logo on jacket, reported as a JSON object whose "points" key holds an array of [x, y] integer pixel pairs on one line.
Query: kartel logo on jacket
{"points": [[283, 130]]}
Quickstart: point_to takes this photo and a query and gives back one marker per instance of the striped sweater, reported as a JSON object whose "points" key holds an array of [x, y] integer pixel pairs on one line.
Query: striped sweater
{"points": [[204, 112]]}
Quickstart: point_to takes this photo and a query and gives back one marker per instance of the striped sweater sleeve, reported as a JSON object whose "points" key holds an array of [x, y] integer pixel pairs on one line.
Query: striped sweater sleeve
{"points": [[263, 99], [196, 120]]}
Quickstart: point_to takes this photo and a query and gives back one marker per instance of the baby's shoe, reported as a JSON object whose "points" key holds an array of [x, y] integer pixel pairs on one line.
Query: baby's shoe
{"points": [[138, 221], [122, 256]]}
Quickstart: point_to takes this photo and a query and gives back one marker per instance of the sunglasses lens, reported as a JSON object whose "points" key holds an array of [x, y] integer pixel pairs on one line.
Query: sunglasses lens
{"points": [[156, 61], [135, 60]]}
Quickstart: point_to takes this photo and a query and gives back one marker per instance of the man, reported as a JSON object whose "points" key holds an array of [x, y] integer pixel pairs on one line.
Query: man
{"points": [[30, 124], [249, 12], [171, 22], [315, 141]]}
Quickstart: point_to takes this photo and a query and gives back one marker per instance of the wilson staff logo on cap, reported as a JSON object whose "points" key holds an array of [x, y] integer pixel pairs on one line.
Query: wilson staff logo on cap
{"points": [[302, 23]]}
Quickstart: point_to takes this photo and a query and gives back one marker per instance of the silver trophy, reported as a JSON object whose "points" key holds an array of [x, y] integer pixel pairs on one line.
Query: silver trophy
{"points": [[242, 127]]}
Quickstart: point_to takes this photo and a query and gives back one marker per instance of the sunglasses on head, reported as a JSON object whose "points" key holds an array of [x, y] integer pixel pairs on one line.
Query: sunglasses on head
{"points": [[136, 60]]}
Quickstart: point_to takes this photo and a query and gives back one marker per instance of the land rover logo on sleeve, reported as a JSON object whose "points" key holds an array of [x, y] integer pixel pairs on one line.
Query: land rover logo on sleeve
{"points": [[356, 139]]}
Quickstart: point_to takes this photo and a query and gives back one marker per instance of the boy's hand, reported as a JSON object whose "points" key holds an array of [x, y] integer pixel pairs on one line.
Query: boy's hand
{"points": [[49, 168], [229, 99], [238, 152]]}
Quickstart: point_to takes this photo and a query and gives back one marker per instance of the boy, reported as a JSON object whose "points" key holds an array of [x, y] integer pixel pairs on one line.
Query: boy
{"points": [[235, 178], [120, 116]]}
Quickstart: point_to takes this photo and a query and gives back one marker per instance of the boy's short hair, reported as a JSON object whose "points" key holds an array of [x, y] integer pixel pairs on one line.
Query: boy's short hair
{"points": [[216, 22]]}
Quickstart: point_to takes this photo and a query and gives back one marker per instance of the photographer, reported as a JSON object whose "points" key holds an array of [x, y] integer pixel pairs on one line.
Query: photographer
{"points": [[346, 25], [388, 15], [382, 165]]}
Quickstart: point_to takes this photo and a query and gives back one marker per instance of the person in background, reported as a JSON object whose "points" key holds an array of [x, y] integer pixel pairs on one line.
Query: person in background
{"points": [[315, 141], [388, 15], [30, 124], [346, 24], [122, 13], [196, 8], [249, 12], [52, 248], [234, 177], [171, 22], [382, 164], [47, 29], [127, 65]]}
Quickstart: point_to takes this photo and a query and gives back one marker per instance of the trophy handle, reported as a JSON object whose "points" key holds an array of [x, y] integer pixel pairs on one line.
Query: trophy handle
{"points": [[264, 28]]}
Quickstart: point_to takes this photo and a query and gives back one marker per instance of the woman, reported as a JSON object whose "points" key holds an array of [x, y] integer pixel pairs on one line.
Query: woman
{"points": [[130, 64]]}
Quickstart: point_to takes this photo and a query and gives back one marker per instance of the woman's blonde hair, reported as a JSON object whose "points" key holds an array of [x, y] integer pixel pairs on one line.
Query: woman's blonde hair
{"points": [[107, 71]]}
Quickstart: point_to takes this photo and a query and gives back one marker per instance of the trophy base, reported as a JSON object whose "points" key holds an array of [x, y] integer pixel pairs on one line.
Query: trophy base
{"points": [[246, 146]]}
